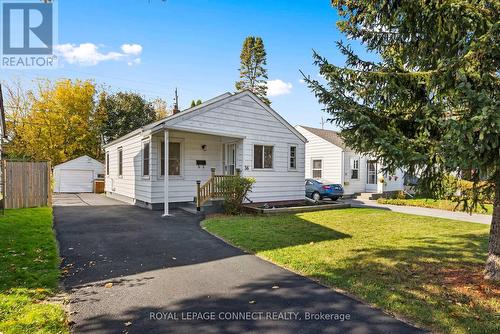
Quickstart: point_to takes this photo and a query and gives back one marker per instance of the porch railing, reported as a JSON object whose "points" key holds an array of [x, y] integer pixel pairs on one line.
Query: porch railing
{"points": [[211, 189]]}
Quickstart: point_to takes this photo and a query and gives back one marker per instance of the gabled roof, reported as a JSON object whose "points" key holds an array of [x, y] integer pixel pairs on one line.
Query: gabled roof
{"points": [[328, 135], [209, 104], [89, 159]]}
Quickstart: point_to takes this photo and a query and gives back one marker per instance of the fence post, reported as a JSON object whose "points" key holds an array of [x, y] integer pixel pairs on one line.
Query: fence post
{"points": [[49, 184], [198, 194]]}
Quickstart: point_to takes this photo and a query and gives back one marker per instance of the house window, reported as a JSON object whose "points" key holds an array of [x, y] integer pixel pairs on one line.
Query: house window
{"points": [[263, 157], [120, 161], [145, 158], [293, 157], [174, 158], [107, 163], [317, 169], [354, 169]]}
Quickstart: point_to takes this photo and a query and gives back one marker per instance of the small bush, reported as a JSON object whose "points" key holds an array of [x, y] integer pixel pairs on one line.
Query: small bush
{"points": [[235, 190], [400, 194]]}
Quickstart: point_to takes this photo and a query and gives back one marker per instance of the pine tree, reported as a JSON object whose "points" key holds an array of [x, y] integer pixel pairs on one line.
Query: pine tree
{"points": [[253, 75], [430, 104], [195, 103]]}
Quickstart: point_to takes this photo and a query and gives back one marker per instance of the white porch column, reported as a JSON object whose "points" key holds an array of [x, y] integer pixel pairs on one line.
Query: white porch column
{"points": [[165, 174]]}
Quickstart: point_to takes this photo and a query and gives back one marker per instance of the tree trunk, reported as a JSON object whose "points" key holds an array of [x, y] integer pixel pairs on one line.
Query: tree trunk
{"points": [[493, 262]]}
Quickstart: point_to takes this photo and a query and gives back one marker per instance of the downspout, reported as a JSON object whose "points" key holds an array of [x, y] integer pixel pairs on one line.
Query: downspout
{"points": [[165, 174]]}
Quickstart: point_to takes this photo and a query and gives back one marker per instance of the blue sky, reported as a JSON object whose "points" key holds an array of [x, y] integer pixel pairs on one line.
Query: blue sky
{"points": [[195, 46]]}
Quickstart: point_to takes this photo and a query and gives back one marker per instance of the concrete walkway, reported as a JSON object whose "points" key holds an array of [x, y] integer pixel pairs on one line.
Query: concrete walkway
{"points": [[130, 271], [83, 199], [413, 210]]}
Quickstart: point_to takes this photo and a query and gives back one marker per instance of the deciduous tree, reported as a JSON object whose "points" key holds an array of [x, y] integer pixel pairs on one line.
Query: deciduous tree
{"points": [[125, 111], [55, 121]]}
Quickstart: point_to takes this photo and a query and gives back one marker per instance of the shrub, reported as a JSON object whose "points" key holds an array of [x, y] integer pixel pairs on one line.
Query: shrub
{"points": [[235, 190], [400, 194]]}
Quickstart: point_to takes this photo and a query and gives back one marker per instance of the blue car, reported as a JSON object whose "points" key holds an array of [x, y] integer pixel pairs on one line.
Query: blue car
{"points": [[318, 189]]}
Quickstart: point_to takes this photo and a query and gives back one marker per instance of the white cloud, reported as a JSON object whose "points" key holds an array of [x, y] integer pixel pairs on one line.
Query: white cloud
{"points": [[302, 81], [136, 61], [132, 49], [278, 87], [89, 54]]}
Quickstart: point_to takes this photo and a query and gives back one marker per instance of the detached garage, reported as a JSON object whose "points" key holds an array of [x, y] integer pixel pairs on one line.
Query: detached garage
{"points": [[77, 175]]}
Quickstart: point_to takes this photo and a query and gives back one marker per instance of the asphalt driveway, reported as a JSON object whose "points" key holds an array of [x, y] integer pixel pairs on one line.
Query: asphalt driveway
{"points": [[130, 271]]}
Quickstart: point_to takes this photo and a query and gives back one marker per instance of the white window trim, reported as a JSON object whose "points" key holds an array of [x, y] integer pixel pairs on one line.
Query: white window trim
{"points": [[351, 165], [119, 149], [253, 156], [312, 167], [172, 177], [290, 156], [145, 141]]}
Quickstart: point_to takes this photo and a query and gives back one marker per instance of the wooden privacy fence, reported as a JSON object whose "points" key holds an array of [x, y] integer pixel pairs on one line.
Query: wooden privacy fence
{"points": [[26, 184]]}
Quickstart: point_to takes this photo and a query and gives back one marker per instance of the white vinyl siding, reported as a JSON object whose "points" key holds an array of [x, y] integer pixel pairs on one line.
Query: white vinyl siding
{"points": [[182, 188], [319, 149], [243, 116], [238, 119], [131, 184], [354, 185]]}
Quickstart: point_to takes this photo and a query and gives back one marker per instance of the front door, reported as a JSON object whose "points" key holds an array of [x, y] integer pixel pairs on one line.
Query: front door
{"points": [[230, 159], [371, 176]]}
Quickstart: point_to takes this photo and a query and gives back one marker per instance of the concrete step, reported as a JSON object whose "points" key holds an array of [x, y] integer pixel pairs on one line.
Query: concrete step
{"points": [[368, 196]]}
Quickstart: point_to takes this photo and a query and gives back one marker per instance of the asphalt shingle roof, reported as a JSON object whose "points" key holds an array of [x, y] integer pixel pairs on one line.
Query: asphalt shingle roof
{"points": [[328, 135]]}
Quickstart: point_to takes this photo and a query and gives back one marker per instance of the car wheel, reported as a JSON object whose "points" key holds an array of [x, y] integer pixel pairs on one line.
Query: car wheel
{"points": [[316, 196], [334, 198]]}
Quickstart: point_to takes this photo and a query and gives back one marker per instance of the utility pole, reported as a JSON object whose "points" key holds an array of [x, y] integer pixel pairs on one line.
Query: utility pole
{"points": [[176, 102], [322, 123]]}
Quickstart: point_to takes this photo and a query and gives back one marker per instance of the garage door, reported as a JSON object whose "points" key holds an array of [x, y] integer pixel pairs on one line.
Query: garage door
{"points": [[76, 181]]}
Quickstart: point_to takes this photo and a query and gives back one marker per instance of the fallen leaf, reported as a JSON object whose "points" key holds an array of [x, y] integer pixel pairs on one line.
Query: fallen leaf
{"points": [[251, 302], [108, 285], [128, 323]]}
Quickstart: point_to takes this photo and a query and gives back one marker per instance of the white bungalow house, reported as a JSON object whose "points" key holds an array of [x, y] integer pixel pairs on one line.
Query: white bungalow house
{"points": [[327, 157], [230, 133]]}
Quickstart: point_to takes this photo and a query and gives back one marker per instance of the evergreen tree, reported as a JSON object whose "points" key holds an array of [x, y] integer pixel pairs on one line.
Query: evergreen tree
{"points": [[253, 75], [195, 103], [430, 104]]}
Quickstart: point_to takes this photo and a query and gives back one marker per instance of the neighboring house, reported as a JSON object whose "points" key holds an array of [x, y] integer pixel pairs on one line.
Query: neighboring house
{"points": [[77, 175], [328, 158], [230, 132]]}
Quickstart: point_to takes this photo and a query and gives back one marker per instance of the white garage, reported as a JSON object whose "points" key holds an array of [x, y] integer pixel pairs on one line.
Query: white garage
{"points": [[77, 175]]}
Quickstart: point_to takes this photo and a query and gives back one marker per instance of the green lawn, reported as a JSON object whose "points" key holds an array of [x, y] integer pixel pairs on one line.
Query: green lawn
{"points": [[434, 204], [29, 273], [427, 270]]}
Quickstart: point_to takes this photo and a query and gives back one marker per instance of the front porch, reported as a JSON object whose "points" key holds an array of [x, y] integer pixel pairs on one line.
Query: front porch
{"points": [[196, 164]]}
